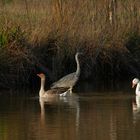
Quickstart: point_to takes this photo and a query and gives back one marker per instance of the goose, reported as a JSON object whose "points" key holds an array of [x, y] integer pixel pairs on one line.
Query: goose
{"points": [[49, 93], [136, 82]]}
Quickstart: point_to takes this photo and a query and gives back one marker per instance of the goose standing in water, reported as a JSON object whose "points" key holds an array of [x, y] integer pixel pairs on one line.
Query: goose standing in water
{"points": [[136, 82], [49, 93], [69, 80]]}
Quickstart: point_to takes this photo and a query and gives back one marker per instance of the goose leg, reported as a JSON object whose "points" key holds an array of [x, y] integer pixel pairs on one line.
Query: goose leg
{"points": [[64, 94]]}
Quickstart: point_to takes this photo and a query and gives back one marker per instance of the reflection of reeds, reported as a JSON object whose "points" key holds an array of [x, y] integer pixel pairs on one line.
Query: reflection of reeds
{"points": [[64, 26]]}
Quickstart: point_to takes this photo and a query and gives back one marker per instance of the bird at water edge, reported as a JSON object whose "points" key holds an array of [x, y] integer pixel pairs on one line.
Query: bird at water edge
{"points": [[69, 80], [49, 93], [136, 82]]}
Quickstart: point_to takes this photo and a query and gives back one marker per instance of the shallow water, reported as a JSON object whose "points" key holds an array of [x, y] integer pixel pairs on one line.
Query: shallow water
{"points": [[113, 116]]}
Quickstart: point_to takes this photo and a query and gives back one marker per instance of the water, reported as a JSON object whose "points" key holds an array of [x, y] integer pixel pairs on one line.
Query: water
{"points": [[114, 116]]}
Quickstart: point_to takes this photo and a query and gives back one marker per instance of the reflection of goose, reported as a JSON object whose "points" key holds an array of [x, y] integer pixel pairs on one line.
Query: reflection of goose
{"points": [[136, 104], [136, 81], [69, 80], [136, 109], [72, 105], [49, 93]]}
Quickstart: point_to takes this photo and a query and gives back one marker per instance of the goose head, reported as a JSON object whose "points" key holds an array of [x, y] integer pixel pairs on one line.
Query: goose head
{"points": [[135, 82], [41, 75]]}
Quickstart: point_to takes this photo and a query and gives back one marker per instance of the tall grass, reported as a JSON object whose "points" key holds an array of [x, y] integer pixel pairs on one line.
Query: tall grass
{"points": [[50, 32]]}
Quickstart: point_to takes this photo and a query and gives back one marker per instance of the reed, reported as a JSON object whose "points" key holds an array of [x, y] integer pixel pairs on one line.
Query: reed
{"points": [[50, 32]]}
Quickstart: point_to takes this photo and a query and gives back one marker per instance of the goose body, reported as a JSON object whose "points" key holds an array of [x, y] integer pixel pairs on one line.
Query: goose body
{"points": [[136, 82], [49, 93]]}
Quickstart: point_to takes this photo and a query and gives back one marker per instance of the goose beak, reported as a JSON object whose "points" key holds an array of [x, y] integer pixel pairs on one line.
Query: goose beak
{"points": [[38, 75]]}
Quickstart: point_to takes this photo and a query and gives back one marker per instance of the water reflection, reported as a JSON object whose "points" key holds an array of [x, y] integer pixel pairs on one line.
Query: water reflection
{"points": [[71, 102], [59, 112], [106, 118], [136, 109], [78, 117]]}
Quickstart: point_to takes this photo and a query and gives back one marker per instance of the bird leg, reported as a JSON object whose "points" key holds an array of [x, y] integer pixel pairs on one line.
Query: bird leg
{"points": [[70, 89], [64, 94]]}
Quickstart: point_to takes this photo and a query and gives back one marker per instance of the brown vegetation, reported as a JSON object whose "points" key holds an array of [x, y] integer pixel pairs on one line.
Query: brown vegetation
{"points": [[48, 33]]}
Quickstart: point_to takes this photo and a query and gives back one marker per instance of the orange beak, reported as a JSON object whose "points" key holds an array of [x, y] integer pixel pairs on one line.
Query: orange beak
{"points": [[38, 75], [133, 85]]}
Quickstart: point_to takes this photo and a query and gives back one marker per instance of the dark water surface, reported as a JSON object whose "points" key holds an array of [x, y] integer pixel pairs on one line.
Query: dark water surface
{"points": [[114, 116]]}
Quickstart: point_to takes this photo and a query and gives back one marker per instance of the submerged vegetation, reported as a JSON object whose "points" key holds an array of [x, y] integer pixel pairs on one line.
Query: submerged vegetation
{"points": [[43, 35]]}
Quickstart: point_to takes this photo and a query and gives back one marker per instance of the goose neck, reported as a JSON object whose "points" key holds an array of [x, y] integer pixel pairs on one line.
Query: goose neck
{"points": [[41, 92]]}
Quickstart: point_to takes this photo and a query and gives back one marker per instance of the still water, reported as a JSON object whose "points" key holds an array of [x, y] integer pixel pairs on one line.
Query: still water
{"points": [[114, 116]]}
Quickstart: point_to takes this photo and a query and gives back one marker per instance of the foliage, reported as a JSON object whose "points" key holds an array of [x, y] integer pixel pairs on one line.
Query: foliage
{"points": [[50, 33]]}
